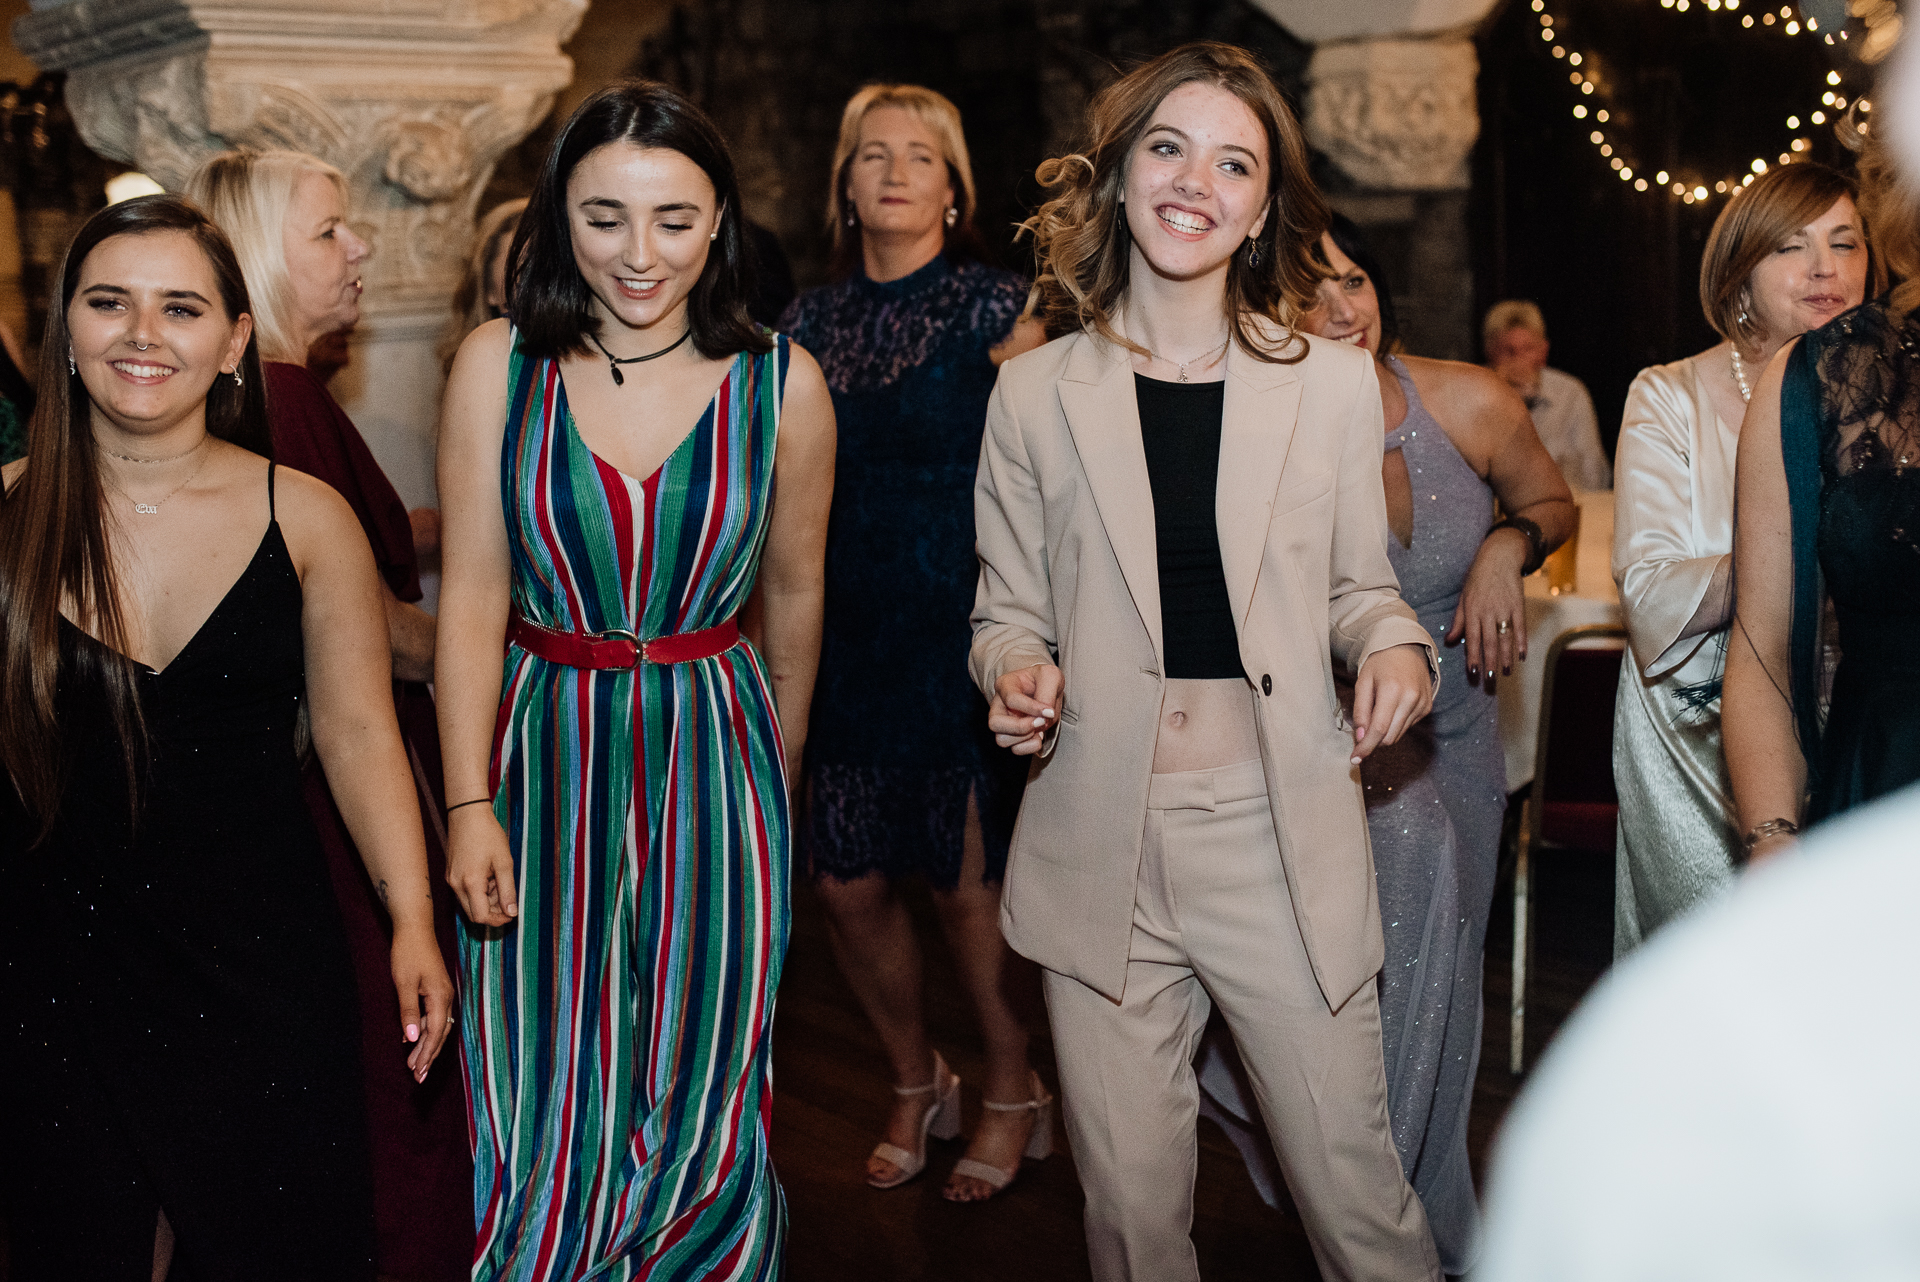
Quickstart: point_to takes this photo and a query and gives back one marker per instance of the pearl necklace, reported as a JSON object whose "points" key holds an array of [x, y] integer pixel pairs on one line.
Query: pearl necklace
{"points": [[1740, 375]]}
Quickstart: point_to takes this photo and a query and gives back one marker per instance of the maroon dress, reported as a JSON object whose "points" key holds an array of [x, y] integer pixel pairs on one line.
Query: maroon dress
{"points": [[422, 1164]]}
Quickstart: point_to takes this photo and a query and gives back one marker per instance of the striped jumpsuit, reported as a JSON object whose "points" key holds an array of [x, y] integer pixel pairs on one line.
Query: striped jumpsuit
{"points": [[617, 1036]]}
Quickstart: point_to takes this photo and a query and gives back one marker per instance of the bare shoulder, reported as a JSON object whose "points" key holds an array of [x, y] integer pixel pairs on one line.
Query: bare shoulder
{"points": [[489, 342], [1457, 392], [312, 515]]}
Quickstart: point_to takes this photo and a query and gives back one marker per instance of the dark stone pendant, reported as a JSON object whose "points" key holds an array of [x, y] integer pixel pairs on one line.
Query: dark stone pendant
{"points": [[618, 379]]}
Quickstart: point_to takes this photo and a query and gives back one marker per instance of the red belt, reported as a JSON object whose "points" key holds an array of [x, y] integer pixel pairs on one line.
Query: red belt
{"points": [[620, 650]]}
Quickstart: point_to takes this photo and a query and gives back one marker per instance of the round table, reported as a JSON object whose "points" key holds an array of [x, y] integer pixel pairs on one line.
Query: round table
{"points": [[1594, 599]]}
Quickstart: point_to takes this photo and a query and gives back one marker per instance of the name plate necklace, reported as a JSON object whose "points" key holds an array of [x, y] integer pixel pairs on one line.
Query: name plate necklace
{"points": [[153, 509]]}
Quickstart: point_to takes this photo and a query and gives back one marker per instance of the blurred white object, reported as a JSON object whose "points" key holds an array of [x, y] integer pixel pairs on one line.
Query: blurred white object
{"points": [[130, 184], [1736, 1100]]}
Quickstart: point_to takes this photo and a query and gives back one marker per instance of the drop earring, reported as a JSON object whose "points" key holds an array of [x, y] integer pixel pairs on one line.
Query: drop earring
{"points": [[1253, 255], [239, 380], [72, 369], [953, 215], [853, 219]]}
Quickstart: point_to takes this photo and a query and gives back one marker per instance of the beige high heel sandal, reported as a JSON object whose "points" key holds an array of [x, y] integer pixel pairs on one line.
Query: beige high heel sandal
{"points": [[941, 1120], [1039, 1144]]}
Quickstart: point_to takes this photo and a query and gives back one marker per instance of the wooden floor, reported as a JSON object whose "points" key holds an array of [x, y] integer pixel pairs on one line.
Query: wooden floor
{"points": [[832, 1092]]}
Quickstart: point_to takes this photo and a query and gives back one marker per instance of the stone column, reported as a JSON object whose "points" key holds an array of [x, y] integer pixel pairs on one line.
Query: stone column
{"points": [[413, 100], [1398, 117]]}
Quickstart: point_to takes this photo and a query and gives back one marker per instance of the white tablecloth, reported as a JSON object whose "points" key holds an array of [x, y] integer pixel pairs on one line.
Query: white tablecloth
{"points": [[1594, 599]]}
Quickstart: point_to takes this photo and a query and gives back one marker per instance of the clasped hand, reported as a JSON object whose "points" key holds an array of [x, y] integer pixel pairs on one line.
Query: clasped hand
{"points": [[1394, 690]]}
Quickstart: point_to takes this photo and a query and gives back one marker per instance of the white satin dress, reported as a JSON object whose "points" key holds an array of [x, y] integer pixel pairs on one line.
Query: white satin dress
{"points": [[1673, 521]]}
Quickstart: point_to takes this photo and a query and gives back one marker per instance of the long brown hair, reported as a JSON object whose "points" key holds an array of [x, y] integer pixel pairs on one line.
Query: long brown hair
{"points": [[1081, 234], [55, 542], [1890, 206]]}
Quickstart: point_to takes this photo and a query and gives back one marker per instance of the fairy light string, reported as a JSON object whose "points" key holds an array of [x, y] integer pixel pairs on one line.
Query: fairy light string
{"points": [[1594, 101]]}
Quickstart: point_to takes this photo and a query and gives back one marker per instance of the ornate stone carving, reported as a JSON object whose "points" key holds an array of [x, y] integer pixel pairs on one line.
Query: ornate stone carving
{"points": [[413, 100], [1396, 115], [1318, 22]]}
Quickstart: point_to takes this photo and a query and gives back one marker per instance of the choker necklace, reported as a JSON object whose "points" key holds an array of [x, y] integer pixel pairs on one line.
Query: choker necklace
{"points": [[153, 509], [615, 362], [171, 458], [1740, 374], [1204, 356]]}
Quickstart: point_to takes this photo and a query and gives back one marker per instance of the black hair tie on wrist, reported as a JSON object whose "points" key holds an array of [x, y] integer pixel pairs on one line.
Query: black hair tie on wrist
{"points": [[475, 802], [1536, 541]]}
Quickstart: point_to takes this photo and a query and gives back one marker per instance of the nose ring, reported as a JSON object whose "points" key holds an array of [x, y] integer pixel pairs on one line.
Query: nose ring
{"points": [[141, 347]]}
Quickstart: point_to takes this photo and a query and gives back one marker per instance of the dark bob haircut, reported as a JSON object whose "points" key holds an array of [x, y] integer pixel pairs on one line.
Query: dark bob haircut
{"points": [[547, 297], [1353, 243]]}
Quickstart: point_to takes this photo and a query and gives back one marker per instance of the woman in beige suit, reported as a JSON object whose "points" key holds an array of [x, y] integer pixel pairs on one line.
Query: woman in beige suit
{"points": [[1181, 528]]}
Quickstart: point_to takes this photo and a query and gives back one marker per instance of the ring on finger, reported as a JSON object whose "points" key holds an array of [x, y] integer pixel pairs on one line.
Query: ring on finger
{"points": [[1503, 626]]}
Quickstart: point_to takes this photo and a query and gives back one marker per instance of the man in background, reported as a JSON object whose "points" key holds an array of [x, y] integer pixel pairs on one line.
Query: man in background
{"points": [[1515, 335]]}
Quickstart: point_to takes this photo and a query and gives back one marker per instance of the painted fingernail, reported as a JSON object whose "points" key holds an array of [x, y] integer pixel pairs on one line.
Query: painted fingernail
{"points": [[1039, 723], [1046, 712], [413, 1032], [1353, 761]]}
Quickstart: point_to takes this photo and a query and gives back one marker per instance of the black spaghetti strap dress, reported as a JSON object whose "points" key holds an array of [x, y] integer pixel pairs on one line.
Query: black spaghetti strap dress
{"points": [[181, 1030]]}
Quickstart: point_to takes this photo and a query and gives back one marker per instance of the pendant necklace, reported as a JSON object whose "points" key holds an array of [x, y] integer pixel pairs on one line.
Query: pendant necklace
{"points": [[1191, 360], [615, 362], [152, 509], [1740, 374]]}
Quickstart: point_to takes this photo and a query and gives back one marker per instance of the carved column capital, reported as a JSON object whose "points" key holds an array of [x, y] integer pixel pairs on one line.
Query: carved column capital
{"points": [[1396, 115], [413, 100]]}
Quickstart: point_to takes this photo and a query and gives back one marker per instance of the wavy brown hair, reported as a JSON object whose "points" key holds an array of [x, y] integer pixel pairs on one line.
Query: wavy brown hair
{"points": [[1773, 208], [55, 541], [1081, 234]]}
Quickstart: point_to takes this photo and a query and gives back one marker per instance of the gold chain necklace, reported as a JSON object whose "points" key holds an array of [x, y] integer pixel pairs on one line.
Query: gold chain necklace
{"points": [[1203, 357], [153, 509]]}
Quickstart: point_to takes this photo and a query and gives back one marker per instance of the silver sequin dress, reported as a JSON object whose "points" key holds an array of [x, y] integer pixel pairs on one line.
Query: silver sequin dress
{"points": [[1673, 521], [1435, 801]]}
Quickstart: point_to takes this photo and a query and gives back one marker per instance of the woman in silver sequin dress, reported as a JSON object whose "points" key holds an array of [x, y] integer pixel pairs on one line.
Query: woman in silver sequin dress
{"points": [[1457, 438], [1788, 256]]}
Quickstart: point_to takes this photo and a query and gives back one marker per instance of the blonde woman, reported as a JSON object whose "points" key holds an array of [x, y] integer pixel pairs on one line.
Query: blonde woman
{"points": [[1181, 530], [1786, 257], [909, 337], [286, 214]]}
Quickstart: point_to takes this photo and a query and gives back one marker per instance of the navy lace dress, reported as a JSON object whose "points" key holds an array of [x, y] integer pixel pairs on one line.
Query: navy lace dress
{"points": [[1850, 436], [898, 739]]}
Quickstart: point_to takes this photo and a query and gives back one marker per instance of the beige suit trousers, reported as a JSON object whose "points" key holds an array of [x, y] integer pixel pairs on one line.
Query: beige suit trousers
{"points": [[1213, 923]]}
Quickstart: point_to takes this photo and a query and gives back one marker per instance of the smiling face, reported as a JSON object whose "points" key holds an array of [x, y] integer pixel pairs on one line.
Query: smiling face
{"points": [[323, 259], [1347, 309], [1817, 273], [1197, 181], [897, 182], [158, 292], [641, 219]]}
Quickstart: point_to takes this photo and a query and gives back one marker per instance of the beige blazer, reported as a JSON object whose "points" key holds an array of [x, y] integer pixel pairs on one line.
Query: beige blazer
{"points": [[1063, 514]]}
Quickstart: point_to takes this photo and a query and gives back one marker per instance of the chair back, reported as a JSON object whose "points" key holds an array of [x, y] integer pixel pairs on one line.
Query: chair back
{"points": [[1574, 803]]}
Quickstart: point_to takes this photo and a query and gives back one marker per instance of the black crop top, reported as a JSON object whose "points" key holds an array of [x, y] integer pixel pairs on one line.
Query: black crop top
{"points": [[1180, 430]]}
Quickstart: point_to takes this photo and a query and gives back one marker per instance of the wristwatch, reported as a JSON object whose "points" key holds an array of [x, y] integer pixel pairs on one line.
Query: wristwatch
{"points": [[1536, 540]]}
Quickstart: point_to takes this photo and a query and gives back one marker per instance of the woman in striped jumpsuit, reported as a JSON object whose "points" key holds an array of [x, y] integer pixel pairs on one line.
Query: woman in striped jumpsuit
{"points": [[619, 461]]}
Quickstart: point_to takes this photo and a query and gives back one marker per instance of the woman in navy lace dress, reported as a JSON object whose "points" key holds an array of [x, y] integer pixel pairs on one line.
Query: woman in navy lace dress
{"points": [[903, 778]]}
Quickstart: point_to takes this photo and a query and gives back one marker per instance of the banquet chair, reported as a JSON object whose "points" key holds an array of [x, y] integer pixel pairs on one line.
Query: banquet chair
{"points": [[1571, 804]]}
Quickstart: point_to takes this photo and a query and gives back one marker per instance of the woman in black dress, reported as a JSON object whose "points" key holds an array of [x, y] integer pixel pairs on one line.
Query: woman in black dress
{"points": [[178, 1005]]}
